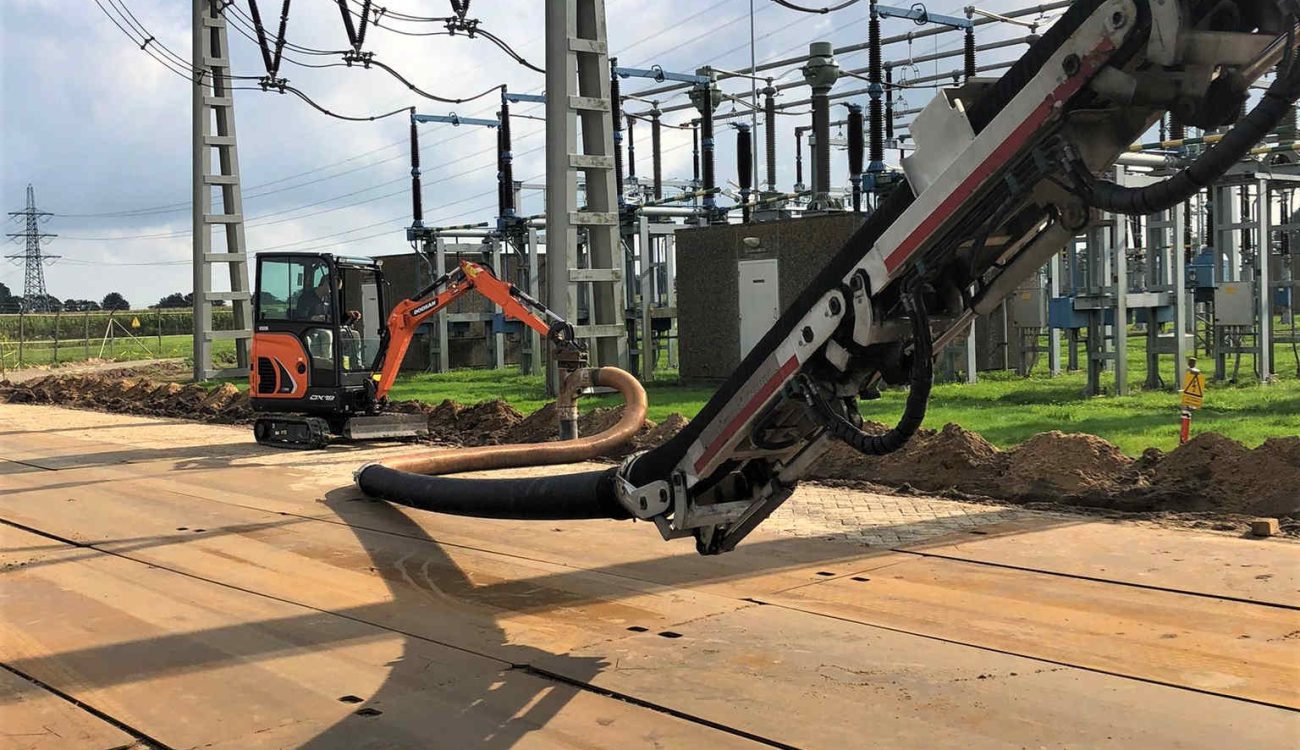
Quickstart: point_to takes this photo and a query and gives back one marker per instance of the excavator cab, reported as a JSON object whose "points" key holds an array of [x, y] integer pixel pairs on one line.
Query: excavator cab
{"points": [[318, 335]]}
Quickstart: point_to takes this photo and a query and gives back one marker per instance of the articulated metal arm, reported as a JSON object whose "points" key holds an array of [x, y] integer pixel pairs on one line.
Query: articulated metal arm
{"points": [[986, 202], [407, 316], [1003, 176]]}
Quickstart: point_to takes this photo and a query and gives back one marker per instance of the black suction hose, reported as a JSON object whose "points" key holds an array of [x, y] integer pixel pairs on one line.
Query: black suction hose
{"points": [[1210, 166], [420, 480], [563, 496]]}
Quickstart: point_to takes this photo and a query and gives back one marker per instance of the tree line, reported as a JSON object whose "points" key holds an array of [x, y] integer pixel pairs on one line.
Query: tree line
{"points": [[13, 303]]}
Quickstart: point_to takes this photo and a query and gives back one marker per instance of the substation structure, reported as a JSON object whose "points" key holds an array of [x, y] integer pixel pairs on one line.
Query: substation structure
{"points": [[656, 269]]}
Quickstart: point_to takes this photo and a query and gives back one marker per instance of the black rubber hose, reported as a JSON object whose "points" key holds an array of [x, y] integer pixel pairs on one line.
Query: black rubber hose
{"points": [[1210, 166], [917, 398], [560, 497]]}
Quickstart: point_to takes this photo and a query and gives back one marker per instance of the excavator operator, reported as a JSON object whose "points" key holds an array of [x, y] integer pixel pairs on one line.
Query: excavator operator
{"points": [[315, 305]]}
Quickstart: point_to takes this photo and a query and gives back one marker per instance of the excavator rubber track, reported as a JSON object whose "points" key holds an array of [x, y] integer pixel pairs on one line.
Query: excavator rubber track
{"points": [[291, 431]]}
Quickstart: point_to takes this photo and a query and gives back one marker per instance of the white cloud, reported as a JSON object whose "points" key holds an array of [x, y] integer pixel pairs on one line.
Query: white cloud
{"points": [[99, 127]]}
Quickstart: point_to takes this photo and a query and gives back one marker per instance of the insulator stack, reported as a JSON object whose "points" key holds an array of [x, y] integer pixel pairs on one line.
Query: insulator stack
{"points": [[706, 157], [695, 152], [631, 148], [889, 103], [968, 52], [798, 158], [874, 78], [769, 128], [745, 165], [855, 153], [656, 165], [417, 202], [616, 114], [507, 173], [820, 73]]}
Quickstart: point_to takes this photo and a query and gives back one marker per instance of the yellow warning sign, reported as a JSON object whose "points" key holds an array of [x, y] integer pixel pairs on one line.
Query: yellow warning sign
{"points": [[135, 322], [1193, 390]]}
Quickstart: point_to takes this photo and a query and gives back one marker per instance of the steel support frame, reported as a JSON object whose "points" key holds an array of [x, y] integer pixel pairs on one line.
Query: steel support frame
{"points": [[577, 85], [213, 106]]}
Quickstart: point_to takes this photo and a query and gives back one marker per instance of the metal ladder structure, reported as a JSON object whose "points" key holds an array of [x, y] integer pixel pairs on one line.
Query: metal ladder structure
{"points": [[214, 109], [578, 92]]}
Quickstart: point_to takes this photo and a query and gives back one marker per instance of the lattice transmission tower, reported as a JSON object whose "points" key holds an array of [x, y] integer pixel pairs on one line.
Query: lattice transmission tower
{"points": [[35, 298]]}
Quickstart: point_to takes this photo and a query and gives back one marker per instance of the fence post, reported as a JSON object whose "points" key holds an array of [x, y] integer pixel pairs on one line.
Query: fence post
{"points": [[85, 322], [110, 333], [22, 334], [160, 336], [57, 315]]}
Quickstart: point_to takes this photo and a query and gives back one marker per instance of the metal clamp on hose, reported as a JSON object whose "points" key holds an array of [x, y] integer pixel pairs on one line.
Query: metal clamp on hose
{"points": [[644, 502]]}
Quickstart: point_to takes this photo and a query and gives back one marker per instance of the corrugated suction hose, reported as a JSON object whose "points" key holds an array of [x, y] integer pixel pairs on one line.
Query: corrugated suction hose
{"points": [[416, 479]]}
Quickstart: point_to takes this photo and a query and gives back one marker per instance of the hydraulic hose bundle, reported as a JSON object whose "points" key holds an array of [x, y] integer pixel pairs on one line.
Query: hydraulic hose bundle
{"points": [[1210, 166], [416, 479], [918, 396]]}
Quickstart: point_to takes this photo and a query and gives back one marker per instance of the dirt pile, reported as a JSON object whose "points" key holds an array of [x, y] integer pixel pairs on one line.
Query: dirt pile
{"points": [[947, 459], [128, 395], [1211, 473], [1214, 473], [1058, 463], [486, 423]]}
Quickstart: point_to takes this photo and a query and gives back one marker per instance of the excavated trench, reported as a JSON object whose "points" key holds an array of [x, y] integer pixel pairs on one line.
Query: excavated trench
{"points": [[1210, 474]]}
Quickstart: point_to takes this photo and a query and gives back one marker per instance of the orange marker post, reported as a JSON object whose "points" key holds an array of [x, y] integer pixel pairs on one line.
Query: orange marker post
{"points": [[1192, 396]]}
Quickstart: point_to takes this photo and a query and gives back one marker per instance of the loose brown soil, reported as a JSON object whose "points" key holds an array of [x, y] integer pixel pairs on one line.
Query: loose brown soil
{"points": [[1210, 474]]}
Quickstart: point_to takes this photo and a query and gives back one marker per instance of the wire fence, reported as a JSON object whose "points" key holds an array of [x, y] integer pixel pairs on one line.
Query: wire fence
{"points": [[56, 338]]}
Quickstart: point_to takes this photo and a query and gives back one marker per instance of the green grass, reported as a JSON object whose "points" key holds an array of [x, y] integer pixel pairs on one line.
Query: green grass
{"points": [[527, 393], [1005, 408], [123, 349]]}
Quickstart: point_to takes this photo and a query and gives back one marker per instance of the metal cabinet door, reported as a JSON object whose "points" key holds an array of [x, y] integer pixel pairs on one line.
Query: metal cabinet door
{"points": [[759, 301]]}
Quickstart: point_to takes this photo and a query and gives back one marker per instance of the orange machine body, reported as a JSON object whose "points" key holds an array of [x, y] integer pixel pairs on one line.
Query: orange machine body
{"points": [[281, 366]]}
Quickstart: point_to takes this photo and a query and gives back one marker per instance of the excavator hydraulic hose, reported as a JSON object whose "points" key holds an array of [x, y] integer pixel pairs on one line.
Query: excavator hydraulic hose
{"points": [[417, 479]]}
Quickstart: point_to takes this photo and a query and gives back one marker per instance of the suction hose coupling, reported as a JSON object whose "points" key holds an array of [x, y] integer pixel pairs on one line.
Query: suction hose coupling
{"points": [[417, 480]]}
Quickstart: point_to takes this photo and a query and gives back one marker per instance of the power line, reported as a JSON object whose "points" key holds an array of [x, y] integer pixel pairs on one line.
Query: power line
{"points": [[185, 205], [255, 222]]}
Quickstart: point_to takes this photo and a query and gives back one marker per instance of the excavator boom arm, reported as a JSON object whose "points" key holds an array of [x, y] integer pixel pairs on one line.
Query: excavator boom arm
{"points": [[409, 314]]}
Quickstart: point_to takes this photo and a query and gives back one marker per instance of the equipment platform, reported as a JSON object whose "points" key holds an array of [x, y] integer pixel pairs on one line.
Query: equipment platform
{"points": [[169, 584]]}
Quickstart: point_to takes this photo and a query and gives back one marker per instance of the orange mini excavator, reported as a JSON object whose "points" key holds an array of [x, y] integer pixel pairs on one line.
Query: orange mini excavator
{"points": [[324, 357]]}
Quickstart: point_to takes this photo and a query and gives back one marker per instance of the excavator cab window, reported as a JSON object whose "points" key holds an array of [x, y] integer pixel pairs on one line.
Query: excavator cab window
{"points": [[300, 295], [361, 319]]}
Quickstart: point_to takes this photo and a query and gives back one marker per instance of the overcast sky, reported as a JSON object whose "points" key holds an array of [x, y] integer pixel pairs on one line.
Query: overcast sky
{"points": [[98, 127]]}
